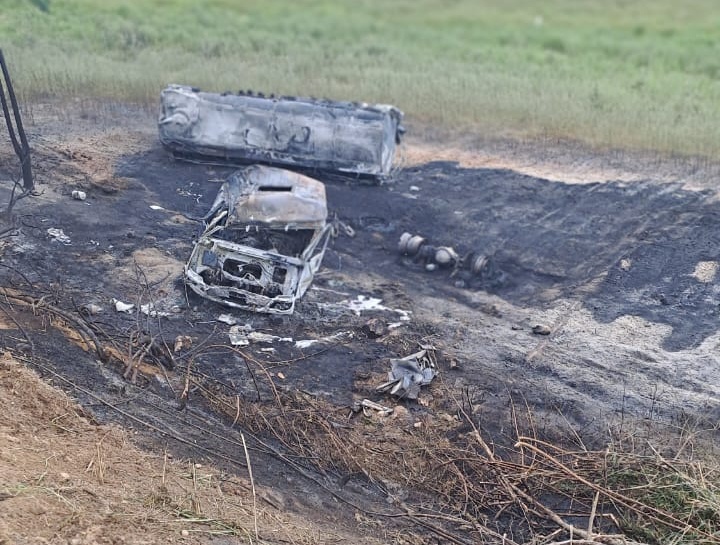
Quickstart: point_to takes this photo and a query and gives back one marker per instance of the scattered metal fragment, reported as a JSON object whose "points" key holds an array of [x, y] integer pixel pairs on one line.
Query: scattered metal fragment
{"points": [[238, 335], [408, 374], [79, 195], [228, 319], [340, 226], [259, 337], [306, 343], [368, 404], [338, 137], [59, 235], [149, 309], [243, 335], [264, 239]]}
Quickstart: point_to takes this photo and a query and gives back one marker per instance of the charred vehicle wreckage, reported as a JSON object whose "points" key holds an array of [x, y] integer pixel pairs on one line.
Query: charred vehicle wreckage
{"points": [[263, 240], [344, 138], [265, 235]]}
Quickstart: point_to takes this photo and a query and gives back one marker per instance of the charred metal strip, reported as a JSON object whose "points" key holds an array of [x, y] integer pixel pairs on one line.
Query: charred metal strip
{"points": [[22, 148]]}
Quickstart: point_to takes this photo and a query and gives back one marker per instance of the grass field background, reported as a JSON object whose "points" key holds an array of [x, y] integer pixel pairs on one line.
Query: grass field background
{"points": [[639, 74]]}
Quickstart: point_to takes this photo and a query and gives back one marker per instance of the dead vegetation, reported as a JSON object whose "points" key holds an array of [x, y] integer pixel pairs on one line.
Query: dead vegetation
{"points": [[444, 474], [66, 479], [435, 467]]}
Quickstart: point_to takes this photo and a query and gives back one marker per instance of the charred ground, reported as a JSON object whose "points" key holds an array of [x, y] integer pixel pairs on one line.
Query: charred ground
{"points": [[613, 269]]}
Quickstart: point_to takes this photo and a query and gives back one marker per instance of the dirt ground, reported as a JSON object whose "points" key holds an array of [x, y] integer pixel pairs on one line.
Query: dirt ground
{"points": [[614, 255], [65, 478]]}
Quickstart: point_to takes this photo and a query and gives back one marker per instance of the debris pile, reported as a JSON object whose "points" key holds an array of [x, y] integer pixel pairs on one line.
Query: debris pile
{"points": [[59, 235]]}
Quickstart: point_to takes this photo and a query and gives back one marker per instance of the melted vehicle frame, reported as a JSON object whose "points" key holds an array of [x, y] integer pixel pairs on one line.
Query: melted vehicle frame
{"points": [[264, 239], [299, 133]]}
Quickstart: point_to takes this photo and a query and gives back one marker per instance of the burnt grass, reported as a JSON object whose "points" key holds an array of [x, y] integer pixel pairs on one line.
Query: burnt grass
{"points": [[544, 240]]}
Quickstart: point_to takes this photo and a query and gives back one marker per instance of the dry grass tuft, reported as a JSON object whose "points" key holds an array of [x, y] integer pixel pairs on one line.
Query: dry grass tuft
{"points": [[445, 470]]}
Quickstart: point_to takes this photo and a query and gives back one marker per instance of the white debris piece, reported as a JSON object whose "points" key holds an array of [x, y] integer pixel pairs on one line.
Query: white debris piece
{"points": [[306, 343], [228, 319], [364, 303], [243, 335], [409, 373], [259, 337], [149, 310], [123, 307], [156, 207], [238, 335], [369, 404], [59, 235]]}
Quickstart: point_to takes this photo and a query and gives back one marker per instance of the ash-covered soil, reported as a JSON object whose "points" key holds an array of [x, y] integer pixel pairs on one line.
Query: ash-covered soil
{"points": [[622, 274]]}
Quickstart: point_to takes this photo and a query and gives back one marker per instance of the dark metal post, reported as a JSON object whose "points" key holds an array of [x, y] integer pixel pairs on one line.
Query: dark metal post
{"points": [[22, 148]]}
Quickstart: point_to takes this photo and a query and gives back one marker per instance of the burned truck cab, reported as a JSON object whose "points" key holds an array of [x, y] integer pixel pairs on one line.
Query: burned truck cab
{"points": [[263, 241]]}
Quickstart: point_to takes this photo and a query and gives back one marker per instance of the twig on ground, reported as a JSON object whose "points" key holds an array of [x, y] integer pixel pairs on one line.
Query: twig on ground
{"points": [[252, 485]]}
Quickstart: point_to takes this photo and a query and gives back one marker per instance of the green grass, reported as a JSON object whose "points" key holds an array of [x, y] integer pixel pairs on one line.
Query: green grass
{"points": [[641, 74], [686, 490]]}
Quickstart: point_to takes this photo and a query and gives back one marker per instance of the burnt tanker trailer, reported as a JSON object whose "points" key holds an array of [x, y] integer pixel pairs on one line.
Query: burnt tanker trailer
{"points": [[299, 133]]}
